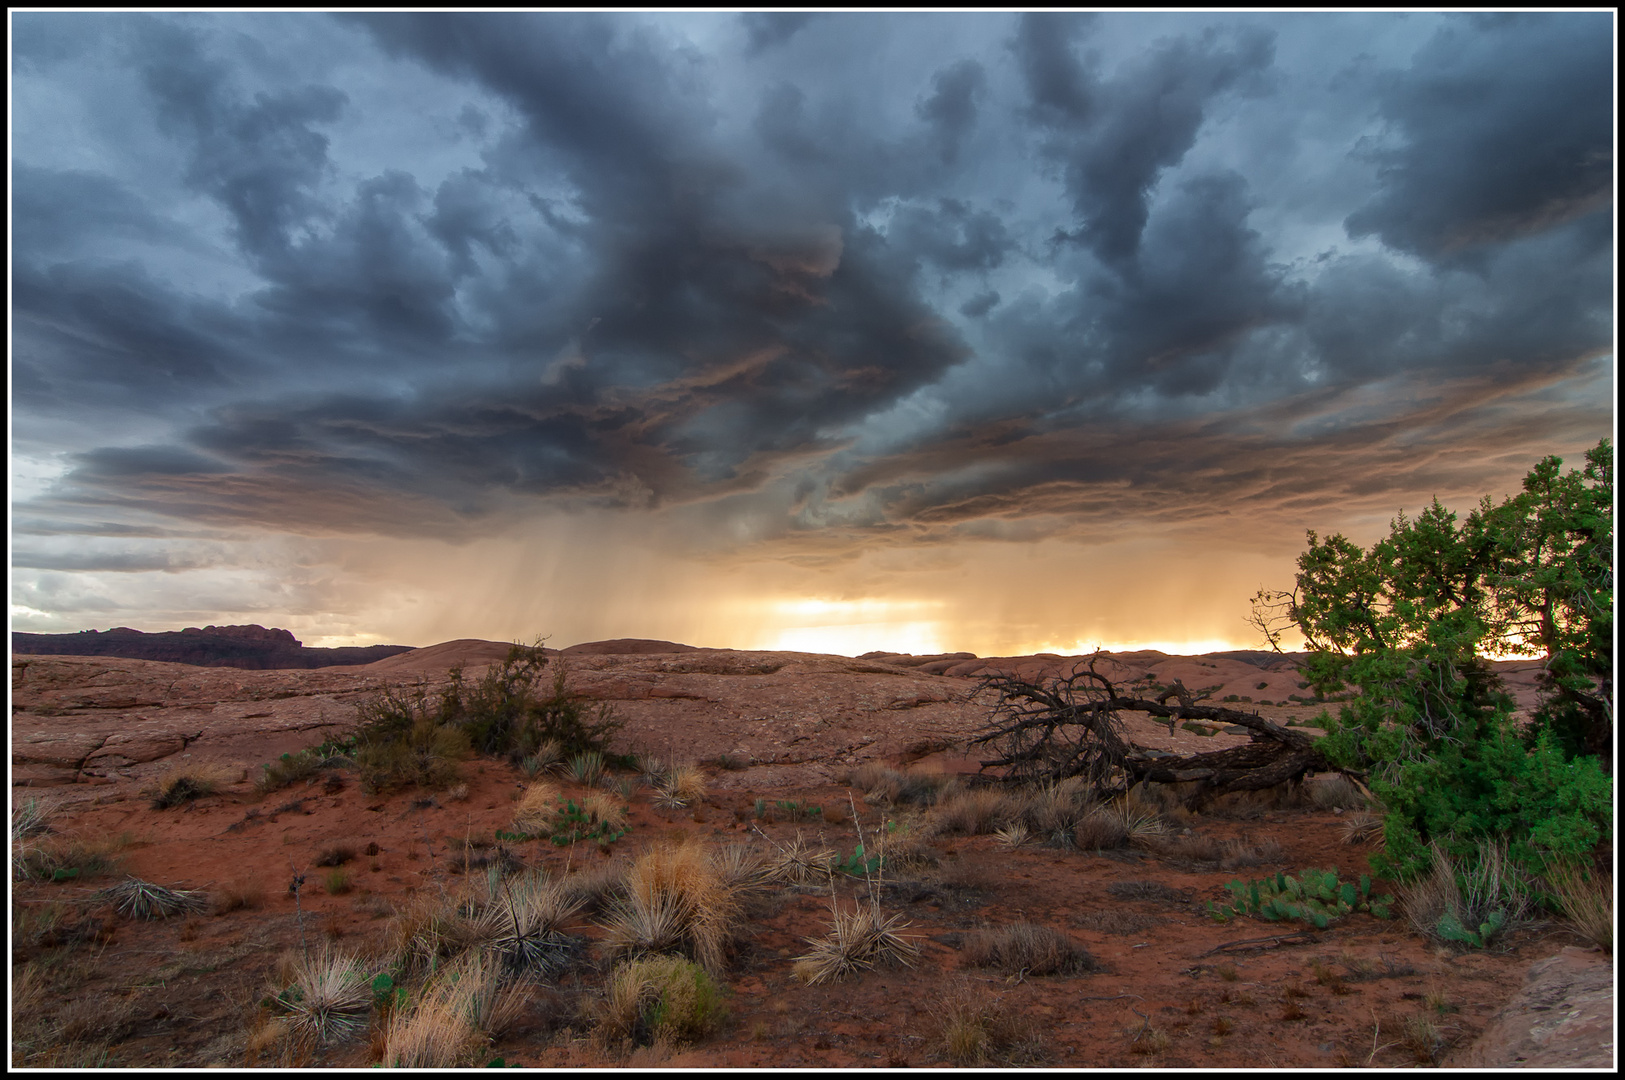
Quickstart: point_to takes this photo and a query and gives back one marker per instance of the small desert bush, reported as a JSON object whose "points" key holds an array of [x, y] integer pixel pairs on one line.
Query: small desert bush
{"points": [[1585, 896], [858, 940], [538, 808], [892, 787], [976, 812], [667, 999], [1030, 948], [337, 882], [675, 901], [977, 1031], [328, 999], [182, 784], [425, 755], [238, 895], [286, 770], [336, 855], [1102, 829], [1334, 791], [67, 857]]}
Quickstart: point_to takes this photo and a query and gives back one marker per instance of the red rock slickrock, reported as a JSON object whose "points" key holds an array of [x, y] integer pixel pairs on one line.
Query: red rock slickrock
{"points": [[90, 735]]}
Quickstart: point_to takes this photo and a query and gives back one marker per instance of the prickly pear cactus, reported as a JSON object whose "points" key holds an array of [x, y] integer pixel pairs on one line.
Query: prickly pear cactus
{"points": [[1314, 896]]}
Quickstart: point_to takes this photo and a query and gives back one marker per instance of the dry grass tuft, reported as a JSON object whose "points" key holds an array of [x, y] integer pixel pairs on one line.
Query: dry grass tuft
{"points": [[973, 813], [538, 808], [238, 895], [602, 808], [1101, 829], [336, 855], [858, 940], [440, 1033], [1028, 948], [428, 928], [1586, 898], [596, 887], [1334, 791], [680, 786], [676, 899], [978, 1031]]}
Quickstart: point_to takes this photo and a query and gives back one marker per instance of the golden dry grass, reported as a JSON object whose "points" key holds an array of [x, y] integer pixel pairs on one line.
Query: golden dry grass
{"points": [[1586, 897], [538, 808], [676, 899], [1028, 948]]}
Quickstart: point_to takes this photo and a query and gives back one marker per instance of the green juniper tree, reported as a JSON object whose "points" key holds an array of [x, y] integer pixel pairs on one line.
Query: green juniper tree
{"points": [[1404, 628]]}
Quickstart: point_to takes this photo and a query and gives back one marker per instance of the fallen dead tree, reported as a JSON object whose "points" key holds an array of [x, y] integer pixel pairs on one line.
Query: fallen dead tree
{"points": [[1070, 725]]}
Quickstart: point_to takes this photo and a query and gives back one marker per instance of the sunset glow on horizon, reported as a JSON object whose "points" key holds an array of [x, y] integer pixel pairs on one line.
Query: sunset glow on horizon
{"points": [[837, 332]]}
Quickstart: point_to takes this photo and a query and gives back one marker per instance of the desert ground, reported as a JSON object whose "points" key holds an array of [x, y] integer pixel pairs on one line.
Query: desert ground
{"points": [[794, 750]]}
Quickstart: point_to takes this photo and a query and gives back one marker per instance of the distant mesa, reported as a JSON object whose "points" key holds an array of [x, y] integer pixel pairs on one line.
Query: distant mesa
{"points": [[626, 647], [253, 647]]}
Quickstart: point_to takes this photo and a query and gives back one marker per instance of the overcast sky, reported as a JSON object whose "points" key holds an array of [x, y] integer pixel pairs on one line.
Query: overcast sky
{"points": [[831, 331]]}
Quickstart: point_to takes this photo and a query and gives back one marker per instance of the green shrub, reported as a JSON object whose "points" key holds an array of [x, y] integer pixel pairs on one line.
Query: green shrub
{"points": [[1404, 628], [426, 755], [662, 998], [288, 769]]}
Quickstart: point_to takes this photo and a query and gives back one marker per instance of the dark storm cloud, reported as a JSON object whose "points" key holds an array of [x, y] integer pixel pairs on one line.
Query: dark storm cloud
{"points": [[1113, 138], [769, 28], [1502, 126], [640, 270], [951, 108], [260, 158]]}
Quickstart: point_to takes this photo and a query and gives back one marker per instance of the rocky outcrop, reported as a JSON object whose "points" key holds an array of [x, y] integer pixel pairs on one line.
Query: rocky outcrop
{"points": [[1563, 1018], [253, 647]]}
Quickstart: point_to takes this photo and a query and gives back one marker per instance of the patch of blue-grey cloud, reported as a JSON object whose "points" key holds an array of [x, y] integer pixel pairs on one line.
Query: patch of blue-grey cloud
{"points": [[876, 275]]}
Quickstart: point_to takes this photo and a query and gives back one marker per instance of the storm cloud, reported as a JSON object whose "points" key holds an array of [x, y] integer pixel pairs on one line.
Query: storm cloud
{"points": [[786, 286]]}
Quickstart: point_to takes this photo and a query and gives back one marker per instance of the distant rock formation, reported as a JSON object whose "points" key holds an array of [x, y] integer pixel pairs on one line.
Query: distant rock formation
{"points": [[254, 647]]}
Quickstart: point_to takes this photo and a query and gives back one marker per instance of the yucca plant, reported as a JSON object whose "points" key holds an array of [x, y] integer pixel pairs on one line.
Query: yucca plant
{"points": [[587, 767], [798, 862], [329, 998], [858, 940], [524, 925], [137, 899]]}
